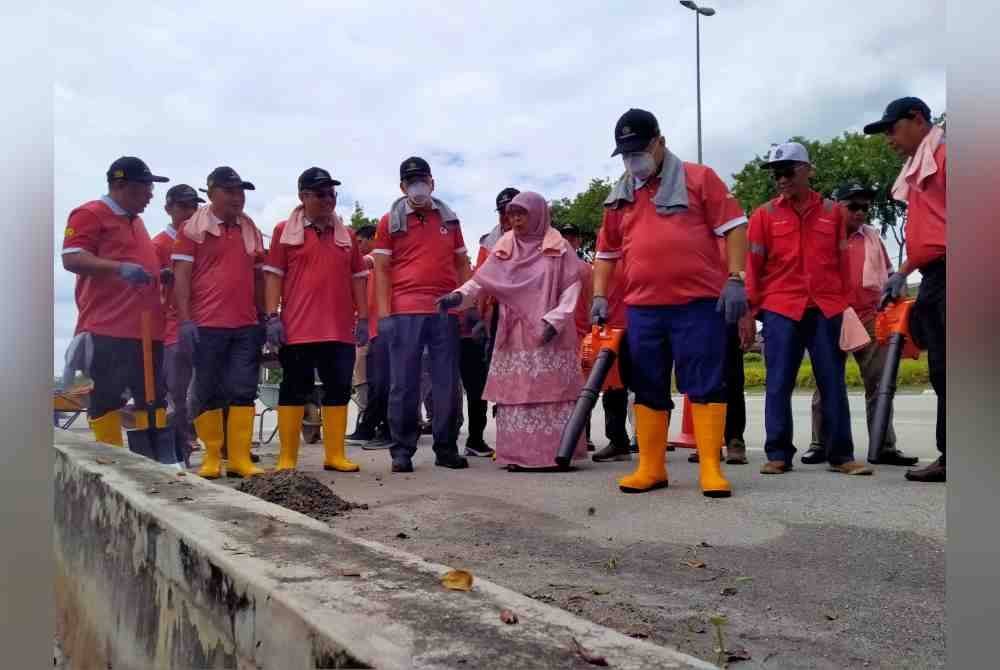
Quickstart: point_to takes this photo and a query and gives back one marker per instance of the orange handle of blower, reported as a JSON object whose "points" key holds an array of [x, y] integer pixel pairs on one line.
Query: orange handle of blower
{"points": [[147, 355], [894, 319]]}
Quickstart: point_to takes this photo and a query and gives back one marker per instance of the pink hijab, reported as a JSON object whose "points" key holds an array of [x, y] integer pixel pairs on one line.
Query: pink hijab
{"points": [[528, 272]]}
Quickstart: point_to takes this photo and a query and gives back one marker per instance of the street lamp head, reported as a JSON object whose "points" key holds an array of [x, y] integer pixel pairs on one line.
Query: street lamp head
{"points": [[689, 4], [706, 11]]}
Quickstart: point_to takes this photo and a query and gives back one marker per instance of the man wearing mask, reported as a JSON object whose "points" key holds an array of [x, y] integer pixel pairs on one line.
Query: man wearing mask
{"points": [[662, 219], [219, 293], [420, 255], [106, 245], [870, 268], [798, 277], [182, 202], [316, 273], [922, 184]]}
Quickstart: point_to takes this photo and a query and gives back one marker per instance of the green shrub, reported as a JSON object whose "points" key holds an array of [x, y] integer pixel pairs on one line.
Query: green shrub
{"points": [[911, 373]]}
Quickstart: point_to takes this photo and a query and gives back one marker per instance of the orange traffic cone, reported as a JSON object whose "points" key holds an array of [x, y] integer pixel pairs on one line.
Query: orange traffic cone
{"points": [[686, 437]]}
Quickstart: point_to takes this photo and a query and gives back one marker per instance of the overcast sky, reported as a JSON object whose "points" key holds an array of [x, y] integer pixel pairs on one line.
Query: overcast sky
{"points": [[516, 93]]}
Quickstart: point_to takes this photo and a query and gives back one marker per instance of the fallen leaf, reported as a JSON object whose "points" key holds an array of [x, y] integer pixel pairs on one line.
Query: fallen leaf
{"points": [[600, 592], [737, 654], [704, 544], [743, 579], [588, 656], [831, 617], [182, 474], [457, 580], [184, 498], [694, 563], [402, 536], [729, 591], [638, 636], [349, 572], [508, 617], [104, 461]]}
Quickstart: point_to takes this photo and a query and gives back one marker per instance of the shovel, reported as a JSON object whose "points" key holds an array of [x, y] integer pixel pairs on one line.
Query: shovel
{"points": [[154, 443]]}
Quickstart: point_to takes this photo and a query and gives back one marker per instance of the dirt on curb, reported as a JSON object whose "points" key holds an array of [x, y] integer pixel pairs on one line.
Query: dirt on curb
{"points": [[298, 492]]}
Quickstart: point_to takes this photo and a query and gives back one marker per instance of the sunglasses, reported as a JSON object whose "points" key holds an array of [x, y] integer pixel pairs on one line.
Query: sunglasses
{"points": [[858, 207], [786, 171]]}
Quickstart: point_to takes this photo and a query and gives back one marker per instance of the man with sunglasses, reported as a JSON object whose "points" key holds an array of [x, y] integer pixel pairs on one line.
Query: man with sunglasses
{"points": [[870, 268], [107, 247], [922, 184], [798, 277], [316, 273], [662, 220]]}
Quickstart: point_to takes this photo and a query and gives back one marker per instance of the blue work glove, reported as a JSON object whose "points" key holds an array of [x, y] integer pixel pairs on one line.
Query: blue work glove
{"points": [[275, 332], [599, 311], [548, 333], [187, 337], [361, 332], [134, 274], [894, 289], [733, 301], [448, 301]]}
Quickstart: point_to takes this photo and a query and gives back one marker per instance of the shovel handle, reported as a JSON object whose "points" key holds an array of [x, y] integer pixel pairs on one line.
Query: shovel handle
{"points": [[147, 356]]}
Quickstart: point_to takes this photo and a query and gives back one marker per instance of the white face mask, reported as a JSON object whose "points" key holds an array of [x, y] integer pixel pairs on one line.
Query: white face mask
{"points": [[419, 193], [640, 164]]}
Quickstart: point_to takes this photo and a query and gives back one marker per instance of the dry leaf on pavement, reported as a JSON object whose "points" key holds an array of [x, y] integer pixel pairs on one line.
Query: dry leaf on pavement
{"points": [[588, 656], [457, 580], [694, 564]]}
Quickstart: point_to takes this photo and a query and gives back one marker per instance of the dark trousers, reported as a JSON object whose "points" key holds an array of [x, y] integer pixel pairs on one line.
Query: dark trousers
{"points": [[178, 370], [226, 367], [409, 335], [927, 324], [300, 363], [736, 401], [116, 370], [615, 405], [376, 411], [785, 343], [474, 369]]}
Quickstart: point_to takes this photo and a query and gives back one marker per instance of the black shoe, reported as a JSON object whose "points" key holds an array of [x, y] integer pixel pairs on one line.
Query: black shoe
{"points": [[612, 452], [591, 446], [935, 472], [453, 461], [895, 457], [814, 454], [402, 464], [359, 436], [254, 458], [478, 448], [377, 443]]}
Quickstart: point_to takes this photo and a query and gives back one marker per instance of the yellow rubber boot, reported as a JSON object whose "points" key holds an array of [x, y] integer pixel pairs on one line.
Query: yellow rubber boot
{"points": [[651, 472], [709, 426], [141, 419], [289, 434], [108, 429], [208, 427], [334, 429], [239, 434]]}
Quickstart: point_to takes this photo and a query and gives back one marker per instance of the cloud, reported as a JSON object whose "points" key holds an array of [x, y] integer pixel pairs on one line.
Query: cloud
{"points": [[493, 94]]}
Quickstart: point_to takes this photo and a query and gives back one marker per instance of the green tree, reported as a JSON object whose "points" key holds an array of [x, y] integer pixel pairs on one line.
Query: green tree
{"points": [[585, 211], [358, 218]]}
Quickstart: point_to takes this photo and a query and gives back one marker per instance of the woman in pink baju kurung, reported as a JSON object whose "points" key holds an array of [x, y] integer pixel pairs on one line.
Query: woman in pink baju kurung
{"points": [[535, 376]]}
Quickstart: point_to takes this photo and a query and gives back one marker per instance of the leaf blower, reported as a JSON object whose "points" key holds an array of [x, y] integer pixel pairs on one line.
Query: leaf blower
{"points": [[892, 328], [599, 354]]}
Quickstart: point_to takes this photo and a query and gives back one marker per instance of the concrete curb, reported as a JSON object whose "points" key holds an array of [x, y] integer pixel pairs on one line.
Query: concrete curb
{"points": [[156, 570]]}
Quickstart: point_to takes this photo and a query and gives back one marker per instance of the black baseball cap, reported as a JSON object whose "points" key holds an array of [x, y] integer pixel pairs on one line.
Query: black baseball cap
{"points": [[569, 229], [414, 166], [182, 193], [505, 196], [226, 177], [902, 108], [130, 168], [634, 131], [314, 178], [853, 189]]}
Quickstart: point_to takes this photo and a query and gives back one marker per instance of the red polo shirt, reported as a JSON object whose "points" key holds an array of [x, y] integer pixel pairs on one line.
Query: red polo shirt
{"points": [[106, 304], [372, 298], [223, 280], [164, 243], [863, 300], [926, 215], [796, 261], [581, 314], [671, 259], [422, 261], [317, 299]]}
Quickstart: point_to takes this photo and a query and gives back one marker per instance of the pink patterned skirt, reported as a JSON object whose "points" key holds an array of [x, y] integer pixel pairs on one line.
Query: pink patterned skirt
{"points": [[528, 435]]}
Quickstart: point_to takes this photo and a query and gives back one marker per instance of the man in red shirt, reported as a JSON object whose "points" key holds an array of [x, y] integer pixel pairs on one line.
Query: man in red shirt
{"points": [[661, 220], [218, 289], [870, 267], [798, 279], [316, 273], [922, 184], [420, 255], [106, 245], [181, 203]]}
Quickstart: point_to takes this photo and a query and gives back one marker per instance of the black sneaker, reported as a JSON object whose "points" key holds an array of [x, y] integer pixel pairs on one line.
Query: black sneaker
{"points": [[815, 454], [377, 443], [402, 464], [359, 437], [612, 452], [478, 448], [591, 446], [895, 457], [453, 461]]}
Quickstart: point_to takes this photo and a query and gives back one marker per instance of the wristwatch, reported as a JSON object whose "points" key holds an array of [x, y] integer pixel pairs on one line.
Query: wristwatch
{"points": [[739, 276]]}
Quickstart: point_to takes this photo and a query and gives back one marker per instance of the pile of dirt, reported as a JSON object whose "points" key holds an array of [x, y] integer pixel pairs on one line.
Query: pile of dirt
{"points": [[299, 492]]}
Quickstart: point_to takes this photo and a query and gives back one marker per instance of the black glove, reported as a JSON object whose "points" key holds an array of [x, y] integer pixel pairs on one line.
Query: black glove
{"points": [[733, 301], [894, 289], [448, 301], [599, 311]]}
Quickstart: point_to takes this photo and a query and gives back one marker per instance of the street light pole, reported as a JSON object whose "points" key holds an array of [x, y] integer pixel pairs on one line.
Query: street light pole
{"points": [[698, 12]]}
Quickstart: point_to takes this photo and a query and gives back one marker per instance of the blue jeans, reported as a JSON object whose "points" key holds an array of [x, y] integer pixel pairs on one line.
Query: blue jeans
{"points": [[226, 367], [785, 343], [691, 337]]}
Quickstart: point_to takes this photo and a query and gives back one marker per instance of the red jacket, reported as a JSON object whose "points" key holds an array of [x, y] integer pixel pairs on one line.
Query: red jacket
{"points": [[797, 262]]}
